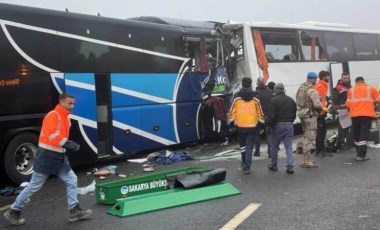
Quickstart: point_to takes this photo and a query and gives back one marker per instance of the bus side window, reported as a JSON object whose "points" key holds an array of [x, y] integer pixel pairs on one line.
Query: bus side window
{"points": [[339, 46], [313, 45], [366, 46], [280, 45]]}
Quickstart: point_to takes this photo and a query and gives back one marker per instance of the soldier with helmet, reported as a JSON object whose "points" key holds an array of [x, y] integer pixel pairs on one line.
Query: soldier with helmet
{"points": [[309, 106]]}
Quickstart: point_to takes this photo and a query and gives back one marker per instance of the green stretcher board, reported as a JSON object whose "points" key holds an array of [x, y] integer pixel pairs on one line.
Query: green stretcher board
{"points": [[170, 198], [109, 192]]}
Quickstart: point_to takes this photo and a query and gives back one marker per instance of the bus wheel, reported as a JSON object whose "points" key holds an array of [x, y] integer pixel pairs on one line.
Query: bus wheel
{"points": [[19, 157]]}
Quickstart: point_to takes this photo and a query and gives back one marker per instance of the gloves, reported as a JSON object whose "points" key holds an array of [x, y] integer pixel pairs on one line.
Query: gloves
{"points": [[71, 145]]}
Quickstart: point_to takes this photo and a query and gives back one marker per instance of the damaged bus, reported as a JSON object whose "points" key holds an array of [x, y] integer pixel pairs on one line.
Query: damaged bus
{"points": [[137, 82], [287, 52]]}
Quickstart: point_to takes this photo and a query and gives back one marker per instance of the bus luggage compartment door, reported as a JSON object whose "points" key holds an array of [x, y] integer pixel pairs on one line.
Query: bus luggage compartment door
{"points": [[92, 110]]}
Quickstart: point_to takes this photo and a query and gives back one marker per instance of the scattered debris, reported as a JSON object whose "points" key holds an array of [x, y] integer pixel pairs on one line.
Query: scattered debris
{"points": [[24, 184], [375, 146], [102, 173], [5, 208], [167, 157], [122, 175], [102, 177], [9, 191], [148, 169], [139, 161], [87, 189], [349, 163]]}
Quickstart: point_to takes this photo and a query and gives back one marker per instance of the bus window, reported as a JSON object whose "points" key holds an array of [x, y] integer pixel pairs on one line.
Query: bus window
{"points": [[280, 45], [339, 46], [366, 46], [313, 46]]}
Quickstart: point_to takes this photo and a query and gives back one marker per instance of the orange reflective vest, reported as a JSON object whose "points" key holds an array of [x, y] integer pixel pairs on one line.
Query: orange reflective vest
{"points": [[55, 130], [360, 100], [322, 88], [246, 114]]}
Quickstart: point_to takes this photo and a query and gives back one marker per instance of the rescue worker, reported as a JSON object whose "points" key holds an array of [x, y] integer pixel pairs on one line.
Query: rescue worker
{"points": [[246, 113], [322, 88], [339, 98], [360, 103], [309, 106], [52, 160]]}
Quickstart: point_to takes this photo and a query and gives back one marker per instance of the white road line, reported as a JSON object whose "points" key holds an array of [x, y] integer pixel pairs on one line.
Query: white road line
{"points": [[239, 218]]}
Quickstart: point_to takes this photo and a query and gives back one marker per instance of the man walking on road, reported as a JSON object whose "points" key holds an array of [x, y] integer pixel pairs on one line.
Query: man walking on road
{"points": [[282, 113], [51, 160], [246, 112], [360, 103], [309, 106]]}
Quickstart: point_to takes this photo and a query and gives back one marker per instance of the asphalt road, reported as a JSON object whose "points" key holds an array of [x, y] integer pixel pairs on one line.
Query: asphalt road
{"points": [[340, 194]]}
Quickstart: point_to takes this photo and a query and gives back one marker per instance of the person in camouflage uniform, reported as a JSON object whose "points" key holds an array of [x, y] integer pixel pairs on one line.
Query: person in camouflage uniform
{"points": [[309, 106]]}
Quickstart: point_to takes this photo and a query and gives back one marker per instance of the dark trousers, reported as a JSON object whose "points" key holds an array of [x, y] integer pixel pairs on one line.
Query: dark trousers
{"points": [[258, 140], [246, 142], [321, 133], [361, 128], [343, 136], [282, 131]]}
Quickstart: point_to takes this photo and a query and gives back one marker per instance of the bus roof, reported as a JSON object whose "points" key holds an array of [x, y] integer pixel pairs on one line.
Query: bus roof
{"points": [[12, 13], [308, 25], [190, 27]]}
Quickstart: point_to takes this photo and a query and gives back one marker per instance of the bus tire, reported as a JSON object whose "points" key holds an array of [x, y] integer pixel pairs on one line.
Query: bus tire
{"points": [[19, 157]]}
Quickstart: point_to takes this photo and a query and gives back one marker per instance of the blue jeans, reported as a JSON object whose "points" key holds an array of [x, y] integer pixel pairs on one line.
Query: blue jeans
{"points": [[282, 131], [246, 142], [39, 179]]}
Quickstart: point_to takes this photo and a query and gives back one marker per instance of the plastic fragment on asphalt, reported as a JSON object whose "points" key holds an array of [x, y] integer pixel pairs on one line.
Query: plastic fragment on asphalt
{"points": [[149, 169], [139, 161]]}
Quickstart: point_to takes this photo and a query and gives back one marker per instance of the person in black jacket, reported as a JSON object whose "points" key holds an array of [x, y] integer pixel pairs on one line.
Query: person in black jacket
{"points": [[282, 113], [264, 95]]}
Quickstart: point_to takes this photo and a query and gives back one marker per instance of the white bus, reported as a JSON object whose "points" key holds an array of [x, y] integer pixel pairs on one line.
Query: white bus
{"points": [[289, 51]]}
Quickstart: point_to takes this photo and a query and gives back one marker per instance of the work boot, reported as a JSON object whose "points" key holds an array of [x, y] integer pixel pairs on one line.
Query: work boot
{"points": [[362, 158], [289, 169], [272, 167], [77, 213], [309, 164], [14, 217]]}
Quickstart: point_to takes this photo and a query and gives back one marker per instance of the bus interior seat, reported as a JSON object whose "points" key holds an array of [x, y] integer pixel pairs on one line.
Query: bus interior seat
{"points": [[269, 55], [290, 57]]}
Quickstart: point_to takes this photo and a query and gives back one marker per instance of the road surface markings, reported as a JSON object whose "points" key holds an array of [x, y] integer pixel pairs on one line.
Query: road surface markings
{"points": [[241, 216]]}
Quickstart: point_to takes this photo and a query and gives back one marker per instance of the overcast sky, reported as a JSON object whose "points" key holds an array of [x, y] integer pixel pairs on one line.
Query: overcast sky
{"points": [[358, 14]]}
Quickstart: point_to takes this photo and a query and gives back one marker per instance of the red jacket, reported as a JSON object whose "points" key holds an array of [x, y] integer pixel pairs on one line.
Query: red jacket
{"points": [[55, 129]]}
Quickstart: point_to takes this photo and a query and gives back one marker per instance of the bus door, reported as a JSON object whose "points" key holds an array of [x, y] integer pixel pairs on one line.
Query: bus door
{"points": [[92, 94]]}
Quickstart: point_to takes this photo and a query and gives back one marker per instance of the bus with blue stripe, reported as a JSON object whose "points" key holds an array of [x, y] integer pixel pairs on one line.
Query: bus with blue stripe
{"points": [[137, 82]]}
